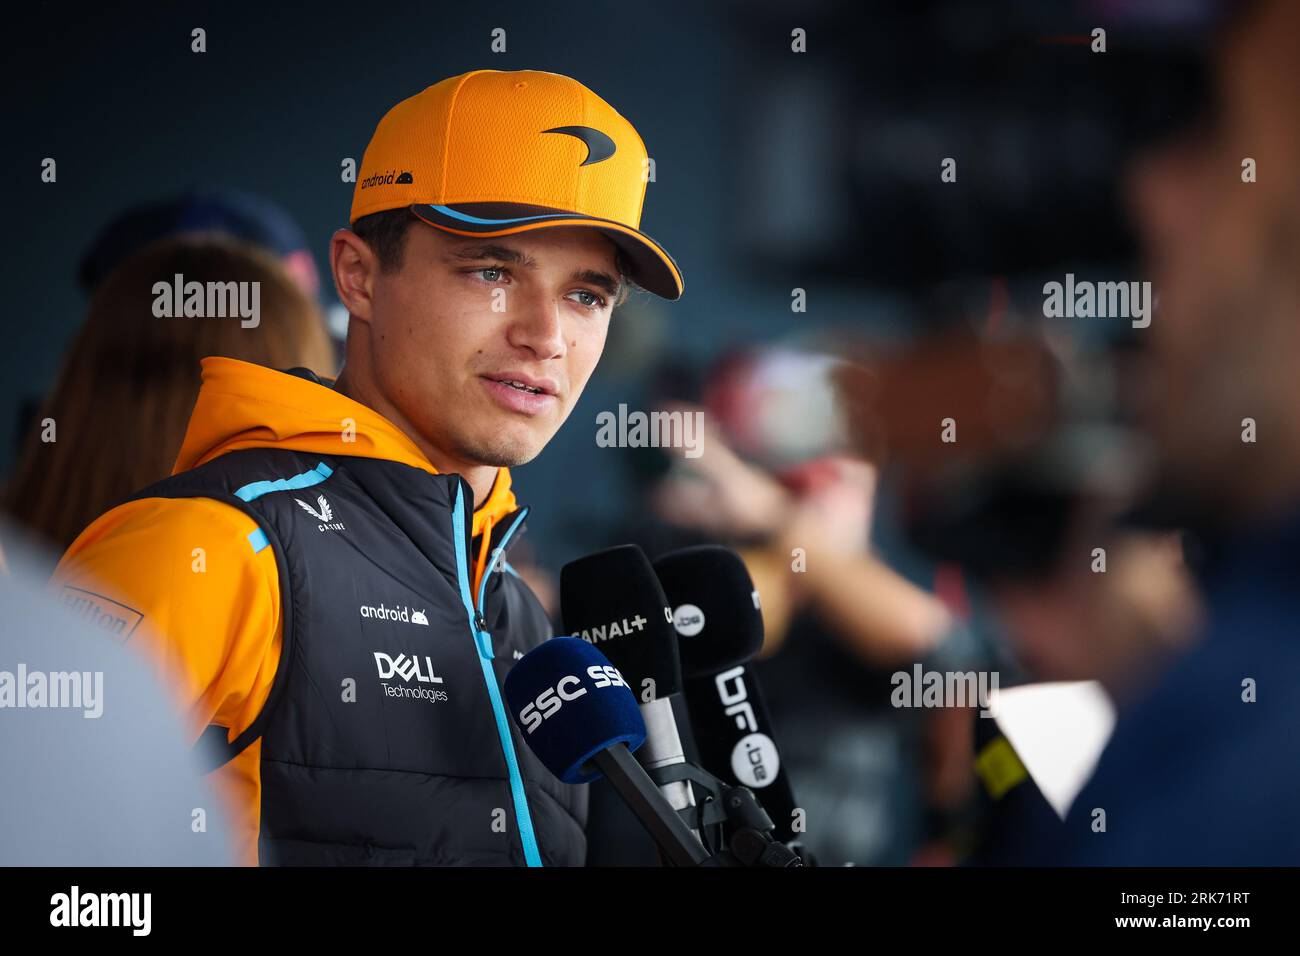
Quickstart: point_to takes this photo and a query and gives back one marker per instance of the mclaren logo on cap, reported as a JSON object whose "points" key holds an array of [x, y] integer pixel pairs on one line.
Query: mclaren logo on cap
{"points": [[599, 146]]}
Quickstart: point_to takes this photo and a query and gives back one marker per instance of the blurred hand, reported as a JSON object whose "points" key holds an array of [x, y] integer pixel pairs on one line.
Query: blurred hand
{"points": [[833, 518], [718, 493]]}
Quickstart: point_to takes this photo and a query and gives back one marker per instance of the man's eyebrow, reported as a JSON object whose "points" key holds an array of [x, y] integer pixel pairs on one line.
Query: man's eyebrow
{"points": [[602, 280], [605, 281], [489, 250]]}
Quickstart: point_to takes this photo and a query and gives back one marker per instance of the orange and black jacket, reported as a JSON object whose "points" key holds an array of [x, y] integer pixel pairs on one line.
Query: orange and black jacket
{"points": [[338, 617]]}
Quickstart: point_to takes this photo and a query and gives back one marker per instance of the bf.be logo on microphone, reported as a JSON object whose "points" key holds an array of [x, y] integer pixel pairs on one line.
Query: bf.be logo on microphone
{"points": [[550, 701], [754, 760]]}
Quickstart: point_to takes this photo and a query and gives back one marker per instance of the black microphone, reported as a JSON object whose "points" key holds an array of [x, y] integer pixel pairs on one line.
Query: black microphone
{"points": [[578, 716], [612, 600], [719, 624]]}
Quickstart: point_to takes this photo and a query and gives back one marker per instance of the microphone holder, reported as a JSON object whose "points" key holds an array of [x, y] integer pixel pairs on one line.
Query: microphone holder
{"points": [[750, 842]]}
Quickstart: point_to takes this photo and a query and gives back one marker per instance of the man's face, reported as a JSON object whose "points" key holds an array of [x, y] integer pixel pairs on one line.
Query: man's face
{"points": [[465, 317], [1225, 255]]}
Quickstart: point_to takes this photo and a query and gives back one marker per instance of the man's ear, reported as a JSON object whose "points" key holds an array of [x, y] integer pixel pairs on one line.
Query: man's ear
{"points": [[355, 267]]}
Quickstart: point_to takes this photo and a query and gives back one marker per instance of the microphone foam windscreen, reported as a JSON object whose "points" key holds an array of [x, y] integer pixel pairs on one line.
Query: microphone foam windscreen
{"points": [[613, 600], [571, 703], [715, 608]]}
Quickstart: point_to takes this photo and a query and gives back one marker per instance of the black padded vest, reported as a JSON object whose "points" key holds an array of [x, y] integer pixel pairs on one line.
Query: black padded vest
{"points": [[385, 739]]}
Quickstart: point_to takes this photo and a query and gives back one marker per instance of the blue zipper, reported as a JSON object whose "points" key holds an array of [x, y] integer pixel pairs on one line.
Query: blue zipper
{"points": [[483, 642], [497, 552]]}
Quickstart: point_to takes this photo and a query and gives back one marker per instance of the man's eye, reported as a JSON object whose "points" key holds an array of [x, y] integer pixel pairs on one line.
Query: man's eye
{"points": [[490, 274], [589, 299]]}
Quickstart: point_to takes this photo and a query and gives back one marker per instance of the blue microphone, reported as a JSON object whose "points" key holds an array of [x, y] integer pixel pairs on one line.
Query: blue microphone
{"points": [[577, 714], [571, 703]]}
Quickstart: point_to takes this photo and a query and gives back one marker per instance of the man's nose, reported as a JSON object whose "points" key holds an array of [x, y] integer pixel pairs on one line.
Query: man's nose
{"points": [[536, 325]]}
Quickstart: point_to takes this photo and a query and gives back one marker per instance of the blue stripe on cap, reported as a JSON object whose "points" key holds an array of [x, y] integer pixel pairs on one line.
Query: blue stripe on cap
{"points": [[258, 540], [476, 220]]}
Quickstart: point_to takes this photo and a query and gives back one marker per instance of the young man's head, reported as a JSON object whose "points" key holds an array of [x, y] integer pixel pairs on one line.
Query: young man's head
{"points": [[495, 226], [482, 346]]}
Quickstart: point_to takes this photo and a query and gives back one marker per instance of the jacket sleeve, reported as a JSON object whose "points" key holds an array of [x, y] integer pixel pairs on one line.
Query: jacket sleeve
{"points": [[180, 578]]}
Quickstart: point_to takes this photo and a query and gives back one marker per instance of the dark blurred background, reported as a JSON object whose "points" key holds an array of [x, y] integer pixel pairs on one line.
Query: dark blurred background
{"points": [[773, 170]]}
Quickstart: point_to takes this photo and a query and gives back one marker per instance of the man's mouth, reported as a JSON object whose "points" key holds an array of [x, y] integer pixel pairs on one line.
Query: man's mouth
{"points": [[521, 381], [519, 393], [519, 385]]}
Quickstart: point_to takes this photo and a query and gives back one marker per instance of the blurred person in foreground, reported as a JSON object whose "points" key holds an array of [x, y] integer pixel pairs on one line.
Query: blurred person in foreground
{"points": [[1040, 482], [1066, 624], [97, 771], [1204, 768], [114, 421]]}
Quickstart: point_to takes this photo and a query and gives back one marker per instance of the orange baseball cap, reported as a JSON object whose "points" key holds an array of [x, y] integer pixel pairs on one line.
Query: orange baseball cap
{"points": [[492, 153]]}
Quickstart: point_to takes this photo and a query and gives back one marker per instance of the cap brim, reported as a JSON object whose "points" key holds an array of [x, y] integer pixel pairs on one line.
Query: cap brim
{"points": [[653, 269]]}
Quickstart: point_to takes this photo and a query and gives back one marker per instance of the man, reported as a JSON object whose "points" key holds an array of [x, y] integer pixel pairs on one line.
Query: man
{"points": [[327, 566], [1205, 770]]}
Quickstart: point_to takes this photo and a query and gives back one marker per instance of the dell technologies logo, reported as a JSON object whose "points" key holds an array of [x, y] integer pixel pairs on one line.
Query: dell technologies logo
{"points": [[417, 670]]}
